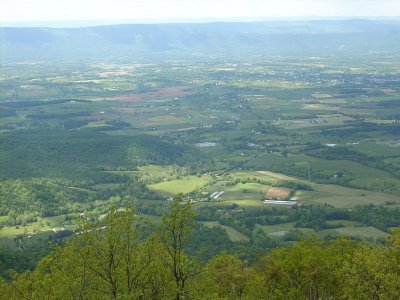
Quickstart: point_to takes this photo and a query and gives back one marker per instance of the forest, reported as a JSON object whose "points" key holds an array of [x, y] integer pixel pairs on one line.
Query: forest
{"points": [[122, 256]]}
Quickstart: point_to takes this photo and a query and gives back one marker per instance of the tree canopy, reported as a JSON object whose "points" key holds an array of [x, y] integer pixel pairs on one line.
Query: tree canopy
{"points": [[123, 256]]}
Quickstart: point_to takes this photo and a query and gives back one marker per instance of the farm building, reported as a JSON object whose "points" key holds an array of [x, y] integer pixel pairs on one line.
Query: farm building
{"points": [[216, 195], [281, 202]]}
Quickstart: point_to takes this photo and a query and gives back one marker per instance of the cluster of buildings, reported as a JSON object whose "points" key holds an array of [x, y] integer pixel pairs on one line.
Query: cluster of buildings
{"points": [[216, 195]]}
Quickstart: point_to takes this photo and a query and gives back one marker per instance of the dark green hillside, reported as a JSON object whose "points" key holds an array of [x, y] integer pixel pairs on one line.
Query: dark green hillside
{"points": [[76, 154]]}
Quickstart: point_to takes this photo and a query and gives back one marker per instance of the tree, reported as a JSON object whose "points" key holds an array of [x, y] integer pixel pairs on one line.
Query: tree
{"points": [[174, 233], [229, 275], [106, 259], [373, 272]]}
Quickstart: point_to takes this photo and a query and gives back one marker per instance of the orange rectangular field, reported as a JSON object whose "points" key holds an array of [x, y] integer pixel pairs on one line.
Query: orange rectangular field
{"points": [[278, 193]]}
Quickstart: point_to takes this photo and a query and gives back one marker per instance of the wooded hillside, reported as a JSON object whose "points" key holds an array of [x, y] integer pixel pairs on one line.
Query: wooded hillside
{"points": [[123, 256]]}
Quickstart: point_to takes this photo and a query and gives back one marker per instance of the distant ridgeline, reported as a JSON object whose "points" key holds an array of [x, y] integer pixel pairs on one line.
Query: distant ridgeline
{"points": [[163, 41]]}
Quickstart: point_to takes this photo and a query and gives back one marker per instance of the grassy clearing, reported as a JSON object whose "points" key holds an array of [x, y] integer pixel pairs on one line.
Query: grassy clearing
{"points": [[245, 191], [276, 175], [363, 232], [186, 185], [271, 229], [42, 225], [244, 202], [344, 222], [156, 173], [233, 234], [108, 186], [268, 229], [38, 239], [343, 197], [244, 194], [161, 120]]}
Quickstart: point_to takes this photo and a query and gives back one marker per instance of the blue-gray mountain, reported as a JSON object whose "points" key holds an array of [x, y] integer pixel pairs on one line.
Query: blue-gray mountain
{"points": [[197, 41]]}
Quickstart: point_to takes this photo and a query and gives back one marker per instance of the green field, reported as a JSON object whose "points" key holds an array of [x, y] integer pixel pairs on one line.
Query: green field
{"points": [[53, 224], [185, 185], [363, 232], [234, 235]]}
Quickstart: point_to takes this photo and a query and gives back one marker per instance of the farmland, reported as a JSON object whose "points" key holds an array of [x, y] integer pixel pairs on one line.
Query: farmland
{"points": [[79, 139]]}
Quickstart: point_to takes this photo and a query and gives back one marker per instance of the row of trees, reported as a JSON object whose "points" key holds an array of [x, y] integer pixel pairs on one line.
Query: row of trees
{"points": [[123, 257]]}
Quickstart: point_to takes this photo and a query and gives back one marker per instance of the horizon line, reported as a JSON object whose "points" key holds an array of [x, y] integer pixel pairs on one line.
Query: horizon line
{"points": [[107, 22]]}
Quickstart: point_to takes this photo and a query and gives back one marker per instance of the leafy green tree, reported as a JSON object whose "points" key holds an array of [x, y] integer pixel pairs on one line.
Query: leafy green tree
{"points": [[117, 257], [174, 233], [306, 270], [373, 272], [229, 275], [105, 260]]}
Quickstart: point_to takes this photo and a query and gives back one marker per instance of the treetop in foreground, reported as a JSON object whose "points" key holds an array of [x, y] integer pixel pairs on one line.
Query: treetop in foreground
{"points": [[123, 256]]}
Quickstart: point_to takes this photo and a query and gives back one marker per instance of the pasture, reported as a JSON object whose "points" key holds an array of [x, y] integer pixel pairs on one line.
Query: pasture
{"points": [[233, 234], [185, 185], [362, 232]]}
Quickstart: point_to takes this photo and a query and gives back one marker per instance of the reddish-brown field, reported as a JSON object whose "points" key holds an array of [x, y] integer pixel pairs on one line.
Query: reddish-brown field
{"points": [[277, 193]]}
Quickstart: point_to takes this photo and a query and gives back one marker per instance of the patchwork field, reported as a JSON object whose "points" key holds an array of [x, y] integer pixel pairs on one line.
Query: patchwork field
{"points": [[85, 137], [335, 195]]}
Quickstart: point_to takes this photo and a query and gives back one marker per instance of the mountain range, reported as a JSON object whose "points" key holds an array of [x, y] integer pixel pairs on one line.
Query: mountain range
{"points": [[199, 41]]}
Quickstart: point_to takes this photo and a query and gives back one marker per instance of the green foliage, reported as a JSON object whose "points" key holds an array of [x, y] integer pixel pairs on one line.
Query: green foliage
{"points": [[229, 276], [23, 201], [118, 258], [174, 234], [37, 197], [79, 154]]}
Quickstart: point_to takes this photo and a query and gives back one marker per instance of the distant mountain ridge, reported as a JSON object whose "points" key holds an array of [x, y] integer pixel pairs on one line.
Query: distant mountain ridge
{"points": [[196, 40]]}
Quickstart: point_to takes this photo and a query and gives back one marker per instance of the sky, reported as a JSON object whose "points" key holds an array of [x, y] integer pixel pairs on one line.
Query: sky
{"points": [[12, 11]]}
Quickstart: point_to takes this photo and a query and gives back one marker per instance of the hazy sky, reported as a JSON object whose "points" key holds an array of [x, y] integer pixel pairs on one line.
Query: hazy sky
{"points": [[137, 10]]}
